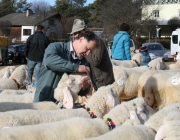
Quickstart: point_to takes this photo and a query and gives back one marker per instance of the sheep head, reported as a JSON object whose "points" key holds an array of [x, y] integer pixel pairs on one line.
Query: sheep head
{"points": [[68, 88]]}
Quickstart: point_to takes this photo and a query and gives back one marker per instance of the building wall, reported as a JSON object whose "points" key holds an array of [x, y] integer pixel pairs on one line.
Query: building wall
{"points": [[24, 37], [166, 12]]}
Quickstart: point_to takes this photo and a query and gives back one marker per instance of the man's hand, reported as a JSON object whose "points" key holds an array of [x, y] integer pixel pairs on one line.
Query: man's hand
{"points": [[83, 69], [85, 83]]}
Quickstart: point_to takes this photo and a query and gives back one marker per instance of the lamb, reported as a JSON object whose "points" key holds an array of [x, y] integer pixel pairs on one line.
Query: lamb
{"points": [[15, 80], [156, 120], [30, 117], [121, 113], [102, 101], [24, 98], [139, 132], [153, 89], [169, 130], [136, 61], [76, 128], [8, 69], [9, 106], [126, 81], [174, 66], [157, 64], [68, 88]]}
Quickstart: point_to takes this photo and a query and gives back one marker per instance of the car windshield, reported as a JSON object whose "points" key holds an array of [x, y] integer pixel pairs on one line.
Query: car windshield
{"points": [[154, 47], [11, 48]]}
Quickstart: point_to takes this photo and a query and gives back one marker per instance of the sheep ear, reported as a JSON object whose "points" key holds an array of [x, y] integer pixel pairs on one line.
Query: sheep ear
{"points": [[149, 111], [67, 100], [160, 134], [110, 102], [133, 114], [65, 76]]}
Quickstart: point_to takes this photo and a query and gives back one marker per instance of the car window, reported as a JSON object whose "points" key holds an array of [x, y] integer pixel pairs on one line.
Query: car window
{"points": [[21, 48], [131, 44], [158, 47], [11, 48]]}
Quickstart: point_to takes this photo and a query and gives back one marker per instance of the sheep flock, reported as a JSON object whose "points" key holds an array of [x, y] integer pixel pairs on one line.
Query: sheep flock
{"points": [[142, 104]]}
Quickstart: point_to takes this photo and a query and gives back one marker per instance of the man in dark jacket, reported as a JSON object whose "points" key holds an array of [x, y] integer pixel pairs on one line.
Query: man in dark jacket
{"points": [[101, 67], [34, 52], [62, 57]]}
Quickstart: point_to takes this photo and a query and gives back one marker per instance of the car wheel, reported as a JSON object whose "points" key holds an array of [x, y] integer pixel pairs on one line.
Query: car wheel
{"points": [[22, 61]]}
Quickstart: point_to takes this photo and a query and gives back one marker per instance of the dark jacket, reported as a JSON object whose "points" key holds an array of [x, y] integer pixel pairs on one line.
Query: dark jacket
{"points": [[57, 60], [101, 67], [36, 45]]}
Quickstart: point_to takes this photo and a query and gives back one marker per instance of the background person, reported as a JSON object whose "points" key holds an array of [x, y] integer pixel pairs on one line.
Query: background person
{"points": [[34, 52], [145, 55], [63, 57], [121, 44], [100, 65]]}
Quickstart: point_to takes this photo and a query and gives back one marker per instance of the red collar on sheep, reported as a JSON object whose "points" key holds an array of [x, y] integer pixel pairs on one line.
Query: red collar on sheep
{"points": [[110, 123], [16, 82], [91, 113]]}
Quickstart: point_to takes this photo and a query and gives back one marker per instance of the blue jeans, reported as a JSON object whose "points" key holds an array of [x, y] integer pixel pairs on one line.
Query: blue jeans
{"points": [[31, 66]]}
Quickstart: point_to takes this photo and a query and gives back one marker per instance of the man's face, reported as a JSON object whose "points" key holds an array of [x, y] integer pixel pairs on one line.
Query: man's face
{"points": [[82, 47]]}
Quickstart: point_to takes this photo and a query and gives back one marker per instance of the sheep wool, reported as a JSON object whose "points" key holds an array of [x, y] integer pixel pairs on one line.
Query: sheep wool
{"points": [[24, 98], [102, 101], [10, 91], [9, 106], [138, 132], [8, 69], [15, 80], [30, 117], [157, 64], [156, 120], [76, 128], [126, 81], [170, 128], [124, 63], [122, 112]]}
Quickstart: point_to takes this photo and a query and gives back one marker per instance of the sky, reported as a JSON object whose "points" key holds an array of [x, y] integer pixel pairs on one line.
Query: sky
{"points": [[52, 2]]}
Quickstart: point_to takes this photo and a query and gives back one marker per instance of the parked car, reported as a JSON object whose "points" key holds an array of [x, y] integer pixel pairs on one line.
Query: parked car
{"points": [[16, 53], [156, 50]]}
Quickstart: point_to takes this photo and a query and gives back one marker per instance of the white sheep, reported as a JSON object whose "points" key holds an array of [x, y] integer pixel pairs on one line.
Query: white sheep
{"points": [[170, 128], [126, 81], [10, 91], [156, 120], [157, 64], [15, 80], [102, 101], [126, 110], [30, 117], [76, 128], [136, 61], [139, 132], [153, 89], [9, 106], [68, 88], [174, 66], [24, 98], [171, 90], [7, 70]]}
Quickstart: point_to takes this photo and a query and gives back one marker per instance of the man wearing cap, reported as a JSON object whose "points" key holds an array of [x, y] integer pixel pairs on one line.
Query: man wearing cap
{"points": [[100, 65], [60, 58]]}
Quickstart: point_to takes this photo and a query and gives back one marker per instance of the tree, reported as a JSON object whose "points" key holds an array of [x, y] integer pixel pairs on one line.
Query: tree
{"points": [[114, 12], [70, 9], [174, 23]]}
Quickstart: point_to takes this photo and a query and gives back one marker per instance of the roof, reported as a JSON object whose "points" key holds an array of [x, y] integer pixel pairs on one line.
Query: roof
{"points": [[20, 19]]}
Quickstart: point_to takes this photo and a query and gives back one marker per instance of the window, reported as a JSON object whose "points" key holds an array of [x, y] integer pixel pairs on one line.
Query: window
{"points": [[175, 39], [156, 13], [26, 31]]}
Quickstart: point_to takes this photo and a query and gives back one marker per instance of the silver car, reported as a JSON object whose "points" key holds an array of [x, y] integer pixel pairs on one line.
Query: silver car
{"points": [[156, 50]]}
